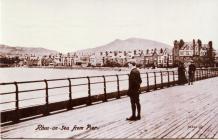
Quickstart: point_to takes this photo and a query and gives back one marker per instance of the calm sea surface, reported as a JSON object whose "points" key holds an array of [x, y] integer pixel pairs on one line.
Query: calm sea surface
{"points": [[23, 74]]}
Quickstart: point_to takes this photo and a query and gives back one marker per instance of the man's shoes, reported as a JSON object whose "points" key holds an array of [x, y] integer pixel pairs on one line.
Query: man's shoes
{"points": [[138, 117], [132, 118]]}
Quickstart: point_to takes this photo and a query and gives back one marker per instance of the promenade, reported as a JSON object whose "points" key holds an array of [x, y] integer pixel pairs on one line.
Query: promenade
{"points": [[174, 112]]}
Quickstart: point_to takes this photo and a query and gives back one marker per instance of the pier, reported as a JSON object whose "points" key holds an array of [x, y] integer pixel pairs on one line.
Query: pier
{"points": [[167, 112]]}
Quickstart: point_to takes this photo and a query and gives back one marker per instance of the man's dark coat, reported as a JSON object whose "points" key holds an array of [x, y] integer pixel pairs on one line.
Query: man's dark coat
{"points": [[134, 82], [192, 69]]}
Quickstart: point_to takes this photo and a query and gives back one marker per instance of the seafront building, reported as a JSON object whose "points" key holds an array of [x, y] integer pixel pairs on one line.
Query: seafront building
{"points": [[201, 54]]}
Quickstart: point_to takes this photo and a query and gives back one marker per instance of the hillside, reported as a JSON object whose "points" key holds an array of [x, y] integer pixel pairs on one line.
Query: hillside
{"points": [[127, 45], [4, 49]]}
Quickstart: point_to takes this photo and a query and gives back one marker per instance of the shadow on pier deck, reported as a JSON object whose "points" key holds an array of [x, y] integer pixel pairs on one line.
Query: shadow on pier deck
{"points": [[175, 112]]}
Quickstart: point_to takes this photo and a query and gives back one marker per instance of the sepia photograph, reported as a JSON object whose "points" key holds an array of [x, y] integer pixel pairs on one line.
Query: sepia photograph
{"points": [[109, 69]]}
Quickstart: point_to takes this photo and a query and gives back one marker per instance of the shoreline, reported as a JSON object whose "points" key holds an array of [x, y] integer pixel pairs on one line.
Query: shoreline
{"points": [[84, 68], [92, 68], [76, 68]]}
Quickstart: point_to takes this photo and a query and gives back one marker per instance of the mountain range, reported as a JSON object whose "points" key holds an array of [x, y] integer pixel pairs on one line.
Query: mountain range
{"points": [[116, 45]]}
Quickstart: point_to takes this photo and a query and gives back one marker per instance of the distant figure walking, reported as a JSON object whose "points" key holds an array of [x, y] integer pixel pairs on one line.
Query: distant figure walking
{"points": [[191, 73], [181, 74], [134, 91]]}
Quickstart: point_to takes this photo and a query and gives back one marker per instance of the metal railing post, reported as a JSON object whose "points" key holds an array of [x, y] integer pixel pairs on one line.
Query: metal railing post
{"points": [[89, 92], [17, 117], [168, 77], [207, 73], [155, 82], [199, 75], [161, 76], [173, 77], [128, 79], [118, 87], [211, 75], [70, 95], [105, 92], [148, 88], [202, 74], [46, 98]]}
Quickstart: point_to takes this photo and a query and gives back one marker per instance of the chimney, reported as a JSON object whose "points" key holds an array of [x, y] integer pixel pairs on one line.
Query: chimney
{"points": [[193, 47], [210, 43]]}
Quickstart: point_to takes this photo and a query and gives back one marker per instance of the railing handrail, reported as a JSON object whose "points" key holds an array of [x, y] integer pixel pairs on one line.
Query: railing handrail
{"points": [[73, 85], [83, 77]]}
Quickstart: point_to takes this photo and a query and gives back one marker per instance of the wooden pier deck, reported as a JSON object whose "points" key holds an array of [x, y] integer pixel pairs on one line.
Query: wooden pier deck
{"points": [[175, 112]]}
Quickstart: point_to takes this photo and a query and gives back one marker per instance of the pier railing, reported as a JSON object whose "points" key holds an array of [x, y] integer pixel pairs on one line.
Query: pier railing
{"points": [[17, 107]]}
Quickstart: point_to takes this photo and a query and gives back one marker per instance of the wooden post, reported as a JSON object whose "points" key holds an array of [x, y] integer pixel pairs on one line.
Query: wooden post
{"points": [[118, 87], [89, 92], [46, 111], [70, 95], [105, 93]]}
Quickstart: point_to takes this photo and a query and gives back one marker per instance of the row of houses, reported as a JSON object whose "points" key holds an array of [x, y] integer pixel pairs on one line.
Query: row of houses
{"points": [[164, 57], [149, 57]]}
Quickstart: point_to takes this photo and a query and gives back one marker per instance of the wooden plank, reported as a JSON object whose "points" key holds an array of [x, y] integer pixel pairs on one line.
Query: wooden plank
{"points": [[189, 118]]}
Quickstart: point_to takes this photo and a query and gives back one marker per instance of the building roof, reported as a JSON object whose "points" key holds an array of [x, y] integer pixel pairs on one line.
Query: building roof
{"points": [[187, 46]]}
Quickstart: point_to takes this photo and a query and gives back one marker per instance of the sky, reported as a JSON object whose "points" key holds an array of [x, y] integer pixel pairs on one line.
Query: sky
{"points": [[70, 25]]}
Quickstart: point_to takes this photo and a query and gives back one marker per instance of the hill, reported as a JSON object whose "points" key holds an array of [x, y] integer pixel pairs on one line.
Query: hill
{"points": [[128, 45], [9, 50]]}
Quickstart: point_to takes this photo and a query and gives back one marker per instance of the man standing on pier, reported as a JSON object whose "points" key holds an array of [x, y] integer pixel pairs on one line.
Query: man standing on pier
{"points": [[134, 91], [191, 73]]}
